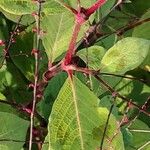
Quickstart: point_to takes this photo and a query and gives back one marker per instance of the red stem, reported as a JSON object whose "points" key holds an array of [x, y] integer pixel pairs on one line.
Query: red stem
{"points": [[81, 17], [94, 7], [71, 48], [79, 21]]}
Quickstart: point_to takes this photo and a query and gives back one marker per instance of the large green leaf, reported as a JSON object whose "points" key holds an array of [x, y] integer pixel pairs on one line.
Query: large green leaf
{"points": [[12, 128], [58, 29], [125, 55], [76, 121]]}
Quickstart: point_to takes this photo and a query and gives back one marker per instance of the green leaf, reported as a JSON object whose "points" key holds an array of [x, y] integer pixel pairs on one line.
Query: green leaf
{"points": [[127, 137], [125, 55], [137, 7], [24, 7], [12, 85], [58, 29], [84, 3], [92, 56], [18, 7], [72, 105], [25, 20], [118, 20], [12, 12], [2, 97], [109, 41], [76, 121], [106, 8], [146, 63], [53, 7], [140, 135], [12, 128], [8, 109], [142, 31], [45, 145], [21, 54]]}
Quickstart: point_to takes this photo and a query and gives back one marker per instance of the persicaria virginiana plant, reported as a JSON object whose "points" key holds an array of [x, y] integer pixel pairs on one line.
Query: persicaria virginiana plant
{"points": [[74, 75]]}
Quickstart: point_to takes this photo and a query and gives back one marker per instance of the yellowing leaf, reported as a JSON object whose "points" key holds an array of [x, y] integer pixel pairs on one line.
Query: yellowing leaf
{"points": [[125, 55]]}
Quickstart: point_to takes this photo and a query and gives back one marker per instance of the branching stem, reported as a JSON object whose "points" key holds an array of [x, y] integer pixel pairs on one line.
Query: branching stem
{"points": [[81, 16], [109, 88]]}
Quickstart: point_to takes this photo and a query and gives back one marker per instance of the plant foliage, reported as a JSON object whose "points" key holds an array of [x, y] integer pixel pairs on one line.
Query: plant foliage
{"points": [[74, 75]]}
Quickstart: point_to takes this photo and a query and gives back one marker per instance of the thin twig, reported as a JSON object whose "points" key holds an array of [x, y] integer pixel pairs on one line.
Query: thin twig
{"points": [[127, 77], [130, 26], [123, 29], [95, 35], [144, 106], [36, 54], [123, 121], [110, 89], [106, 125], [12, 35]]}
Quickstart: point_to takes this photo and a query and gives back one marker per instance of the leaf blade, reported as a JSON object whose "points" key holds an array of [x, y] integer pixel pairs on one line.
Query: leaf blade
{"points": [[76, 119], [125, 55]]}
